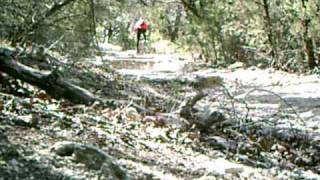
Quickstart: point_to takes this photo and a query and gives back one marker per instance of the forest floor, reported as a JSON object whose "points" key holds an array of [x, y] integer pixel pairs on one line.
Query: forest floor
{"points": [[272, 132]]}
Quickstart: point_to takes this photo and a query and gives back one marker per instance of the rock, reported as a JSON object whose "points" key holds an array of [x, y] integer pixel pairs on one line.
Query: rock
{"points": [[223, 167], [262, 65], [236, 65], [7, 150], [149, 118], [63, 148], [218, 142], [91, 156], [25, 121], [234, 170], [201, 83], [208, 119], [132, 113], [44, 66], [160, 121]]}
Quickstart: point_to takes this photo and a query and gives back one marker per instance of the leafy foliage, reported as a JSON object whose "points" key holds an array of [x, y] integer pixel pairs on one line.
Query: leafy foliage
{"points": [[284, 34]]}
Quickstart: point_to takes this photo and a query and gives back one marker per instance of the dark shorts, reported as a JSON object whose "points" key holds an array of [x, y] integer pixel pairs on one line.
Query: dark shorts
{"points": [[141, 32]]}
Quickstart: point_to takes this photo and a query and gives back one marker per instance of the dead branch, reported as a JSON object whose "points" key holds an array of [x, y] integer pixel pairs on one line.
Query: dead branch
{"points": [[53, 83]]}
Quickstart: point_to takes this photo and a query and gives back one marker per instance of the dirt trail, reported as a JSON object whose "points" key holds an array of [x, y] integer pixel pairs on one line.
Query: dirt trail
{"points": [[175, 66], [148, 151], [277, 92]]}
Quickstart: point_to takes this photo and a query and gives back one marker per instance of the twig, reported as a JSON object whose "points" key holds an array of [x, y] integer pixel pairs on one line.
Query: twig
{"points": [[286, 102], [6, 95], [55, 43], [282, 99], [233, 100]]}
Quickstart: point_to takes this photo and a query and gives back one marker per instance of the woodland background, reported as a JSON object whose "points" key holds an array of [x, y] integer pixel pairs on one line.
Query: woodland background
{"points": [[225, 89]]}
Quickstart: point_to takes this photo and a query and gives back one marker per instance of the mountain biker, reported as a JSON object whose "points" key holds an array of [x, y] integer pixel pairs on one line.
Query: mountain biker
{"points": [[141, 28]]}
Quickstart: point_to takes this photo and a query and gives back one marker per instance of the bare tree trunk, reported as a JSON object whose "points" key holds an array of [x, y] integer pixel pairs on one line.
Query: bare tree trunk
{"points": [[190, 6], [93, 23], [274, 53], [110, 33], [308, 42]]}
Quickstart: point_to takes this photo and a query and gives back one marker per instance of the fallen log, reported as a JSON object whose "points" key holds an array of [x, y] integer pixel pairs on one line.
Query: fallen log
{"points": [[53, 83], [202, 120]]}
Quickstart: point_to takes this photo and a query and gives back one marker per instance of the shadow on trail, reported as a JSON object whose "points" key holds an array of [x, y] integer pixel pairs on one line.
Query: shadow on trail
{"points": [[300, 104], [14, 163]]}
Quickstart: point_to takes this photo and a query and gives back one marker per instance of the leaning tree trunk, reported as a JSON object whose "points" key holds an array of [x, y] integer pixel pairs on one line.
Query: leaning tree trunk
{"points": [[52, 82]]}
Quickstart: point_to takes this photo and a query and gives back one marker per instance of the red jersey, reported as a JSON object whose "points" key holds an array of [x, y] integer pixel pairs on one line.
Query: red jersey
{"points": [[144, 26], [141, 25]]}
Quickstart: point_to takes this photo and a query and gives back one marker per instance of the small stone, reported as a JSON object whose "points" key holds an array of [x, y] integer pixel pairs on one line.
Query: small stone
{"points": [[149, 118], [236, 65], [63, 148], [234, 170]]}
